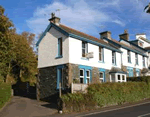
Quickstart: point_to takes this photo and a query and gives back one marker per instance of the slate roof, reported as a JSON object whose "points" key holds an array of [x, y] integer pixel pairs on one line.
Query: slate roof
{"points": [[131, 47]]}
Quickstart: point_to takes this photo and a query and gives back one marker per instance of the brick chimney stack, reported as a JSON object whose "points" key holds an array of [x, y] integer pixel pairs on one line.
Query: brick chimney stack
{"points": [[54, 19], [125, 35], [106, 34]]}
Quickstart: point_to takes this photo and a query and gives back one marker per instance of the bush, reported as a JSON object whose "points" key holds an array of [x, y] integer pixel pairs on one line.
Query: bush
{"points": [[5, 93], [106, 94]]}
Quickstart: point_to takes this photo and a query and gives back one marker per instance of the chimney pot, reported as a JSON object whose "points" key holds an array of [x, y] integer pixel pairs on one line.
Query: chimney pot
{"points": [[54, 19]]}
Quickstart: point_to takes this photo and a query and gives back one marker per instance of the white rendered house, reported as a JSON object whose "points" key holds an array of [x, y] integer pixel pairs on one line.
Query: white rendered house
{"points": [[66, 55]]}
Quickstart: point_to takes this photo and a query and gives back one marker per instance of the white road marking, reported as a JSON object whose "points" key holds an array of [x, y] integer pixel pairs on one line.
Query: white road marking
{"points": [[113, 110], [144, 115]]}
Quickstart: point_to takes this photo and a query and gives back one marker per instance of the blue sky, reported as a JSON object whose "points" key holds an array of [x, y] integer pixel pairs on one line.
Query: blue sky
{"points": [[89, 16]]}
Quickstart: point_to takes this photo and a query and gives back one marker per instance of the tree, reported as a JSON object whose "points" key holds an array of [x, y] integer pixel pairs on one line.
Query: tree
{"points": [[5, 43]]}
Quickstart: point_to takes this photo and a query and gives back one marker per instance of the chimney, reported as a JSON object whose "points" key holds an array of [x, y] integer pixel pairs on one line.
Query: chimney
{"points": [[125, 35], [106, 34], [54, 19]]}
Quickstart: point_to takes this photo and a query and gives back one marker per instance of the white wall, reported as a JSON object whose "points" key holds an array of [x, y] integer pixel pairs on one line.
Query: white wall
{"points": [[47, 50], [133, 62], [75, 55], [145, 44]]}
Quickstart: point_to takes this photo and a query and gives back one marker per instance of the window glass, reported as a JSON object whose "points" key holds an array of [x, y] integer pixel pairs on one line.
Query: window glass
{"points": [[113, 58], [84, 49], [123, 78], [101, 54], [88, 76], [136, 59], [101, 76], [129, 56], [60, 47], [143, 61], [81, 72], [118, 77]]}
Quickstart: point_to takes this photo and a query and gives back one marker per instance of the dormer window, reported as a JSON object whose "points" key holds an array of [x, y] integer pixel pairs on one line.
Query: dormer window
{"points": [[140, 44], [84, 49]]}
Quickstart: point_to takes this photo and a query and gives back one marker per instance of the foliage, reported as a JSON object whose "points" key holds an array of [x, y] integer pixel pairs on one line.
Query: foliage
{"points": [[5, 90], [17, 59], [106, 94]]}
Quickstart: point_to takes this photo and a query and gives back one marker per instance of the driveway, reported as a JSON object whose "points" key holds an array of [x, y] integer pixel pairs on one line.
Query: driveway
{"points": [[25, 107]]}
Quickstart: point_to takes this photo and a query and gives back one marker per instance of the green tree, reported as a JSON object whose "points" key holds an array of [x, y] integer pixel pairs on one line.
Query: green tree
{"points": [[5, 43]]}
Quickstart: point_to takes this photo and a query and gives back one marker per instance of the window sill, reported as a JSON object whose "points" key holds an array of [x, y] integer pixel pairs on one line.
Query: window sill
{"points": [[114, 64], [58, 57], [130, 62], [101, 61], [83, 58]]}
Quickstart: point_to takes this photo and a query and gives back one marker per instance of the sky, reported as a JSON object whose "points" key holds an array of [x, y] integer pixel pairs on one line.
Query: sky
{"points": [[88, 16]]}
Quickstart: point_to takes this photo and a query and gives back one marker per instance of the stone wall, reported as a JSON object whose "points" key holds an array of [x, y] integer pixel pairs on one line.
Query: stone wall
{"points": [[95, 75], [47, 83]]}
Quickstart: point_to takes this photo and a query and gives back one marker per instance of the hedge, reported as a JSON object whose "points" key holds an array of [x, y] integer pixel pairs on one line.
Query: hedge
{"points": [[105, 94], [5, 93]]}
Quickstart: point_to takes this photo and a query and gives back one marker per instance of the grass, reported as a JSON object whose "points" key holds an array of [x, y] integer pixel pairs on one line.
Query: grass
{"points": [[5, 93]]}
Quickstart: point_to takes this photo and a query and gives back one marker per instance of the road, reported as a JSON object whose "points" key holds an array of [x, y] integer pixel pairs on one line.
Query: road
{"points": [[135, 111]]}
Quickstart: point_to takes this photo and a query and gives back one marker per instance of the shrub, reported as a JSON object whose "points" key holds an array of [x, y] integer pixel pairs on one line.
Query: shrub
{"points": [[106, 94], [5, 93]]}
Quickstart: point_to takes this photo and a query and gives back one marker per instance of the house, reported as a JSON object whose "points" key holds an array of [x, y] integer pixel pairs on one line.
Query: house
{"points": [[66, 56]]}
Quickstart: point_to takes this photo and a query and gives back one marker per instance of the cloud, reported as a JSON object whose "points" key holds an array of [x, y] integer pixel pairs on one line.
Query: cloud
{"points": [[79, 15], [119, 22]]}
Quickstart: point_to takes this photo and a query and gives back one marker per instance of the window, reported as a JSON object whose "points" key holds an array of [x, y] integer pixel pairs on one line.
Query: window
{"points": [[82, 76], [123, 78], [88, 77], [84, 49], [129, 56], [59, 47], [101, 54], [113, 57], [143, 59], [136, 59], [101, 76]]}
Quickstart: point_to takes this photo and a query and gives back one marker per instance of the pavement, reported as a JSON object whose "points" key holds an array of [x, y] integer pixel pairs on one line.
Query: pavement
{"points": [[25, 107]]}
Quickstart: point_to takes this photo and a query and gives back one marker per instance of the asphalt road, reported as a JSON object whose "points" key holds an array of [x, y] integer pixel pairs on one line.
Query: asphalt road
{"points": [[136, 111]]}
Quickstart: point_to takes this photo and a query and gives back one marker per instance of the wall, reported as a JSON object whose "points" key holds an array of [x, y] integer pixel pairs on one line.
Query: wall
{"points": [[47, 50], [133, 63], [47, 83], [75, 55]]}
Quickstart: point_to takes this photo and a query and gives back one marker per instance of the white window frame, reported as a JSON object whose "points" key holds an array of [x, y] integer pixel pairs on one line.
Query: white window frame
{"points": [[84, 48], [82, 76], [101, 54], [114, 57], [101, 79], [88, 77], [121, 78]]}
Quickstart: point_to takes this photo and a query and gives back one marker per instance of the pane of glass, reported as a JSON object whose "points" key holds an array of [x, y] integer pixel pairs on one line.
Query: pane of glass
{"points": [[81, 72], [101, 74], [81, 80], [88, 73], [83, 44], [88, 80], [100, 57], [118, 77], [123, 77], [83, 52]]}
